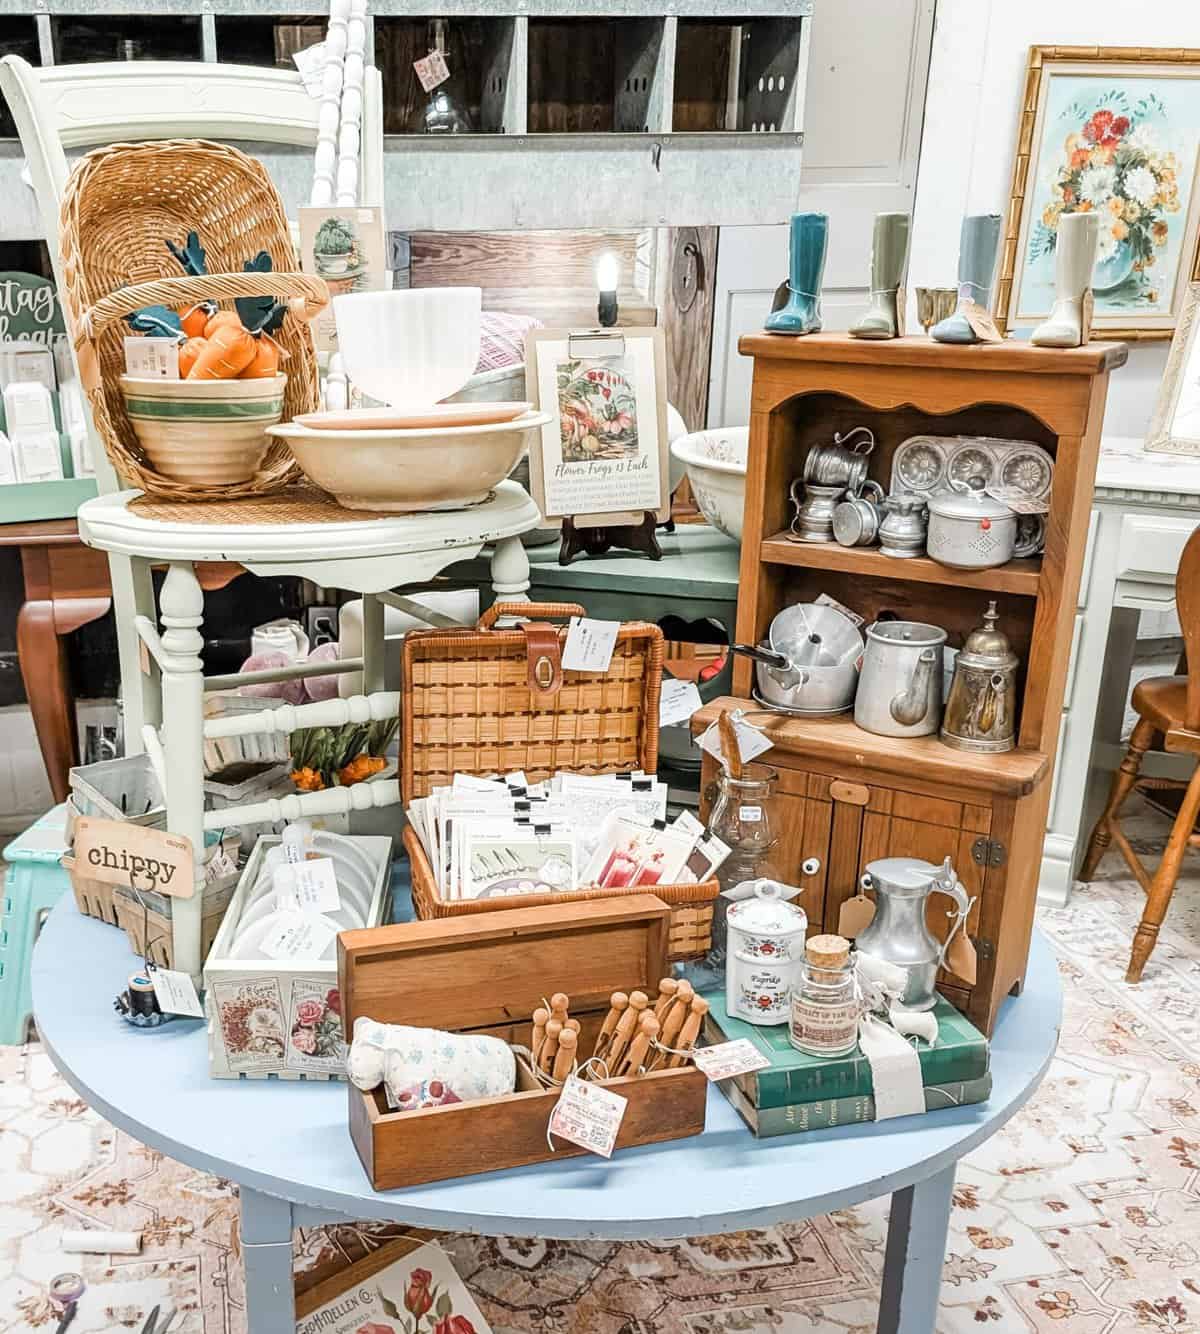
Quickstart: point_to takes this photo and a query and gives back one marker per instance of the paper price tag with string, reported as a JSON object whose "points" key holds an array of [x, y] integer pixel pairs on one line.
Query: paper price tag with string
{"points": [[588, 1115], [727, 1059], [432, 70], [175, 992]]}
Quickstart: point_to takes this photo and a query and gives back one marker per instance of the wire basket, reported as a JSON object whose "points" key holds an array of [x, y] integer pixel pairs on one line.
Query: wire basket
{"points": [[121, 205]]}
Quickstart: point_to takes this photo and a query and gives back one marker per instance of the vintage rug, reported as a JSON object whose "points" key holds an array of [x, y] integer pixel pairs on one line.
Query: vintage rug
{"points": [[1082, 1217]]}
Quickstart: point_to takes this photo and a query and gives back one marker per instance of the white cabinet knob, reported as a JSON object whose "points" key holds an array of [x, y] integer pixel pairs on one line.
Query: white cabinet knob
{"points": [[810, 866]]}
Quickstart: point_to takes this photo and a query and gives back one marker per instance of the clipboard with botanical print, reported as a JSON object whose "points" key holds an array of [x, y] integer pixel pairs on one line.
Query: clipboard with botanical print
{"points": [[600, 467]]}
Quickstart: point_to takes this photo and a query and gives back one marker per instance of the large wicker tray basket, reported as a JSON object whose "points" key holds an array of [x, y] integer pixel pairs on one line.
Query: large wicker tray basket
{"points": [[467, 706], [121, 205]]}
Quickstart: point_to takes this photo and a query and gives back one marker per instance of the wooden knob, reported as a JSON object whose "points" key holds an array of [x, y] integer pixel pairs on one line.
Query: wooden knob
{"points": [[564, 1059]]}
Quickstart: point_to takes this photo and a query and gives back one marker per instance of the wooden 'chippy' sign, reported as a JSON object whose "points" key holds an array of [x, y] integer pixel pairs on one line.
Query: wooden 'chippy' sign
{"points": [[117, 853]]}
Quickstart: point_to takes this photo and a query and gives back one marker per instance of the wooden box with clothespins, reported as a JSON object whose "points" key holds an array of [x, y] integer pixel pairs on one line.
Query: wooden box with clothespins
{"points": [[487, 974]]}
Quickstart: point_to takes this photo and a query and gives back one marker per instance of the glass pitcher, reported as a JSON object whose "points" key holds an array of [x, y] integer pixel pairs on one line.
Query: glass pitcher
{"points": [[743, 817]]}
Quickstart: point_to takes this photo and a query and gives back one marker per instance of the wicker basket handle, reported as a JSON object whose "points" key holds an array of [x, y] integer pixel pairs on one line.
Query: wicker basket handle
{"points": [[306, 296], [542, 611]]}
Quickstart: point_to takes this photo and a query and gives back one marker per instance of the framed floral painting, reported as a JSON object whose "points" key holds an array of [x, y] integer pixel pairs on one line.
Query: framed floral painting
{"points": [[1116, 133], [1175, 427]]}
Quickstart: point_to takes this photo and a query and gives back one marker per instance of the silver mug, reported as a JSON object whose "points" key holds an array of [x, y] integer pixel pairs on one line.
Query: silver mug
{"points": [[841, 463], [856, 520], [815, 506]]}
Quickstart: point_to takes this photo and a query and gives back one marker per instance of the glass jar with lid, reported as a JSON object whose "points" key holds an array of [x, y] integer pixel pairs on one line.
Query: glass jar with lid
{"points": [[825, 999]]}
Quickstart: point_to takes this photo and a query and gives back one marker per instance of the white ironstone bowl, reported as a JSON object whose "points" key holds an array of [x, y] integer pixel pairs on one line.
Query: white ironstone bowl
{"points": [[716, 469]]}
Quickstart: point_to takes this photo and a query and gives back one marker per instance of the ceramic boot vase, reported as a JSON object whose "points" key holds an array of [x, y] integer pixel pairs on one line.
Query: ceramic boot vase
{"points": [[802, 312], [976, 263], [889, 256], [1075, 257]]}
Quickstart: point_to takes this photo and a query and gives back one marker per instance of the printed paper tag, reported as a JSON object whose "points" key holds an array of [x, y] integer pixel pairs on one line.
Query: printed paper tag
{"points": [[726, 1059], [856, 915], [310, 886], [590, 644], [152, 358], [677, 701], [588, 1115], [432, 70], [824, 600], [751, 742], [221, 865], [750, 814], [979, 320], [175, 993], [299, 936]]}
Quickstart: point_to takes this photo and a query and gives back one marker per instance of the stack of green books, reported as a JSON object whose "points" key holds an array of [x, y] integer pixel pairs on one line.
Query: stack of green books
{"points": [[799, 1092]]}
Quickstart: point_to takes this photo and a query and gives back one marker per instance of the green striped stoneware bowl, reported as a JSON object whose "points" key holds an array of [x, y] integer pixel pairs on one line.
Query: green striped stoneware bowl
{"points": [[207, 432]]}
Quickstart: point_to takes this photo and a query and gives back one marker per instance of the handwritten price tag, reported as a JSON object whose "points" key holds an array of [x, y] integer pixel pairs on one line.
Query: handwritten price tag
{"points": [[590, 644], [588, 1115], [678, 700], [299, 936], [727, 1059], [432, 70], [310, 886], [175, 993]]}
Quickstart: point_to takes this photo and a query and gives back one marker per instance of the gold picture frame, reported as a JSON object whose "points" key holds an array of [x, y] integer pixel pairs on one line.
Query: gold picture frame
{"points": [[1175, 426], [1111, 76]]}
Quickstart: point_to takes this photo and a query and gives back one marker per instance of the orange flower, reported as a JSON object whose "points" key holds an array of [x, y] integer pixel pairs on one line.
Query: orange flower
{"points": [[1159, 231], [1084, 206], [1119, 230], [1116, 207]]}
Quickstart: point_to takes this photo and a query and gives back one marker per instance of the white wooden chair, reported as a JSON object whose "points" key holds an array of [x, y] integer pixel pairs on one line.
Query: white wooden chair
{"points": [[80, 106]]}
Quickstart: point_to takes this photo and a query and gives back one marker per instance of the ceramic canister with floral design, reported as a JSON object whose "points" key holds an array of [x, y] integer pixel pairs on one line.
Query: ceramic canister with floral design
{"points": [[766, 946]]}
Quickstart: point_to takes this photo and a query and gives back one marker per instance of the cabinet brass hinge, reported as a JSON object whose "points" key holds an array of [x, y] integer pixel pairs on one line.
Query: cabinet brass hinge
{"points": [[984, 949], [988, 852]]}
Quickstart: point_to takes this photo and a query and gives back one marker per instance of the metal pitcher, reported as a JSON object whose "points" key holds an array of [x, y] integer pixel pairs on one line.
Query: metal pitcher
{"points": [[900, 689], [898, 933], [814, 505]]}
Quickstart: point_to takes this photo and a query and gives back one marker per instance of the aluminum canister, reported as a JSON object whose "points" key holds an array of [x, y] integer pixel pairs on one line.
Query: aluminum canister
{"points": [[766, 949]]}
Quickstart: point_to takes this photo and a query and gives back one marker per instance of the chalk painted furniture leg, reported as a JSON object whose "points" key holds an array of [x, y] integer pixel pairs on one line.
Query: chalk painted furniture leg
{"points": [[372, 644], [510, 570], [182, 613], [267, 1261], [916, 1248]]}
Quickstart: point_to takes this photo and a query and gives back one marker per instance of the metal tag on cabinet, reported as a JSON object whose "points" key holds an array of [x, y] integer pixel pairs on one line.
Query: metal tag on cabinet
{"points": [[988, 852], [985, 950]]}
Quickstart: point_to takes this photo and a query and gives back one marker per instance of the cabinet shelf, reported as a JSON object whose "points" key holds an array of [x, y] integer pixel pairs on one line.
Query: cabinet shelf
{"points": [[1018, 576]]}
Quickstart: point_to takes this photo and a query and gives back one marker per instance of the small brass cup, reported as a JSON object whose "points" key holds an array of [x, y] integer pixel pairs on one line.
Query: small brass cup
{"points": [[934, 304]]}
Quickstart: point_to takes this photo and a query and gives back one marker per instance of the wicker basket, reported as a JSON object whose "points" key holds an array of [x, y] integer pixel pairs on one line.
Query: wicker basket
{"points": [[467, 707], [122, 204]]}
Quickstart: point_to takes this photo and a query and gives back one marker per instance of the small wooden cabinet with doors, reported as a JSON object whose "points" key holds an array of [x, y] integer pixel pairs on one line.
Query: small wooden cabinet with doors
{"points": [[837, 810], [904, 795]]}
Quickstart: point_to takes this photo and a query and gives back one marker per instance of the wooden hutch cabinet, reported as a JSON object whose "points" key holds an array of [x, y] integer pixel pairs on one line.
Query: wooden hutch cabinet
{"points": [[847, 796]]}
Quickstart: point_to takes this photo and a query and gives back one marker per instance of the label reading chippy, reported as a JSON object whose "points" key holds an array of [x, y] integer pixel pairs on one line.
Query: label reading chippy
{"points": [[588, 1115]]}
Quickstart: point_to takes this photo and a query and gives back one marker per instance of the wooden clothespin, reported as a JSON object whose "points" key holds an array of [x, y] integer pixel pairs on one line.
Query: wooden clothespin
{"points": [[640, 1047], [690, 1031], [729, 743]]}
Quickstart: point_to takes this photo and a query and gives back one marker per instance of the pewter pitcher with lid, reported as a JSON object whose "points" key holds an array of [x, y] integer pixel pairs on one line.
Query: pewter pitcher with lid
{"points": [[898, 933]]}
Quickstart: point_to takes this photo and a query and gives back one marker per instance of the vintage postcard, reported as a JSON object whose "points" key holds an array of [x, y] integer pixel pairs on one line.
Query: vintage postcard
{"points": [[250, 1013], [314, 1042]]}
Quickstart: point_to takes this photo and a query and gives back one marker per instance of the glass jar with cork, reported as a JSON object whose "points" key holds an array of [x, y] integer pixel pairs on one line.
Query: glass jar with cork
{"points": [[825, 999]]}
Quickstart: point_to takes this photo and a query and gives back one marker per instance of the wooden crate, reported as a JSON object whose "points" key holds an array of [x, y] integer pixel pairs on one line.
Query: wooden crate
{"points": [[278, 984], [487, 974], [467, 707]]}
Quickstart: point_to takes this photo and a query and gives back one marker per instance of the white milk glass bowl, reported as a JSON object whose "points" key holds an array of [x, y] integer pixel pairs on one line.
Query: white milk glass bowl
{"points": [[411, 348]]}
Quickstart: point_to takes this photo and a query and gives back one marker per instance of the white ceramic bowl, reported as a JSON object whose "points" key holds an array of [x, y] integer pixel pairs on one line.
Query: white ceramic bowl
{"points": [[209, 432], [411, 347], [397, 472], [716, 468]]}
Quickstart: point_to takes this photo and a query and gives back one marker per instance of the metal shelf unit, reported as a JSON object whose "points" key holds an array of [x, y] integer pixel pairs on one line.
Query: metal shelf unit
{"points": [[637, 114]]}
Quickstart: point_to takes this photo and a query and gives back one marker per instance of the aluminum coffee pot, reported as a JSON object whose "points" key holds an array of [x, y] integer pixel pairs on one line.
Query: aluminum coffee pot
{"points": [[900, 688], [898, 933], [981, 712]]}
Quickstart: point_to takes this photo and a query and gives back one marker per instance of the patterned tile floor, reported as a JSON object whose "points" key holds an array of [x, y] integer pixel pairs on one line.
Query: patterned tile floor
{"points": [[1081, 1217]]}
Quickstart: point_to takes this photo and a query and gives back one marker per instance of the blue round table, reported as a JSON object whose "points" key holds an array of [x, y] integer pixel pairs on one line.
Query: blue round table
{"points": [[288, 1148]]}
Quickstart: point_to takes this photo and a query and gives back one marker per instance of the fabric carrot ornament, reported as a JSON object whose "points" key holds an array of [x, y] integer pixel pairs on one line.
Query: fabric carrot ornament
{"points": [[226, 354]]}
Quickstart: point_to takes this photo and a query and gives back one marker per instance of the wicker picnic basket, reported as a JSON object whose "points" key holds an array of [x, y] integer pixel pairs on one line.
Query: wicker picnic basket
{"points": [[487, 700], [122, 204]]}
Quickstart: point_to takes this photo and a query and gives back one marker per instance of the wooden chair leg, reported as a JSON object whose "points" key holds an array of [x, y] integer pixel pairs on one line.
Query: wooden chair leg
{"points": [[1159, 898], [1123, 781]]}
